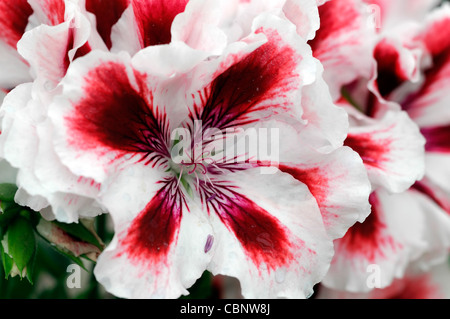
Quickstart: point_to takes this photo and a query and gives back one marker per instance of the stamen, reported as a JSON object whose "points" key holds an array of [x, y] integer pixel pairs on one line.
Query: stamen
{"points": [[209, 243], [212, 197]]}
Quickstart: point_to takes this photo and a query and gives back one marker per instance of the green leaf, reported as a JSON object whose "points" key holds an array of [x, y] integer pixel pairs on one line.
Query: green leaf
{"points": [[7, 262], [9, 212], [21, 242], [31, 266], [79, 231], [7, 192]]}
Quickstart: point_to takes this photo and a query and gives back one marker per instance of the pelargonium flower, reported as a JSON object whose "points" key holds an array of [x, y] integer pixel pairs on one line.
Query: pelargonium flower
{"points": [[70, 29], [111, 124], [392, 148]]}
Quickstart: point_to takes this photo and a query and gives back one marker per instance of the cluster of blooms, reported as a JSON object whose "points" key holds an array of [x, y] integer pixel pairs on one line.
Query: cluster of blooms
{"points": [[355, 89]]}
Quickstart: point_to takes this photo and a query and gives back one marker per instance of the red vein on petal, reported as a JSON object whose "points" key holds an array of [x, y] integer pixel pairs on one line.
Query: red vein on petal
{"points": [[373, 152], [262, 75], [368, 239], [438, 138], [14, 16], [107, 13], [390, 69], [263, 238], [115, 115], [154, 19], [153, 232], [54, 10]]}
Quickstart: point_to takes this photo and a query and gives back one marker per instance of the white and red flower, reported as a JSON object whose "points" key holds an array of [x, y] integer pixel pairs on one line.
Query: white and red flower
{"points": [[404, 227], [97, 128]]}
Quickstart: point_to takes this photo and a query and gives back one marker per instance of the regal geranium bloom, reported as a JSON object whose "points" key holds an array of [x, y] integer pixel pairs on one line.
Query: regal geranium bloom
{"points": [[67, 34], [69, 29], [13, 22], [394, 163], [114, 123], [60, 24]]}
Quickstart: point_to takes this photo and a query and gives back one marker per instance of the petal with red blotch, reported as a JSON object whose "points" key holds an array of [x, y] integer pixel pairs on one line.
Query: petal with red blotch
{"points": [[392, 149], [108, 114], [330, 178], [107, 14], [159, 246], [429, 105], [49, 12], [268, 233], [14, 16], [434, 204], [390, 237], [254, 81], [344, 42], [40, 172], [395, 65], [50, 62], [151, 22]]}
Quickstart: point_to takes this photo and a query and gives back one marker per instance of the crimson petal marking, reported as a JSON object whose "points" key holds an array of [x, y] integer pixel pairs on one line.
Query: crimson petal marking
{"points": [[436, 78], [372, 152], [262, 75], [115, 115], [154, 19], [14, 16], [435, 38], [261, 235], [420, 287], [54, 10], [434, 193], [155, 229], [85, 49], [438, 138], [107, 12], [390, 69], [367, 239], [336, 19], [312, 177]]}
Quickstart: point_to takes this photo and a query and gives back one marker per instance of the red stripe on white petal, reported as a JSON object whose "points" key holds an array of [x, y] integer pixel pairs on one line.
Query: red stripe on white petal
{"points": [[50, 12], [368, 239], [256, 85], [434, 34], [343, 42], [263, 237], [115, 115], [268, 233], [14, 16], [329, 178], [373, 152], [154, 19], [107, 13], [438, 138], [392, 149], [152, 233], [393, 66], [428, 106], [434, 193]]}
